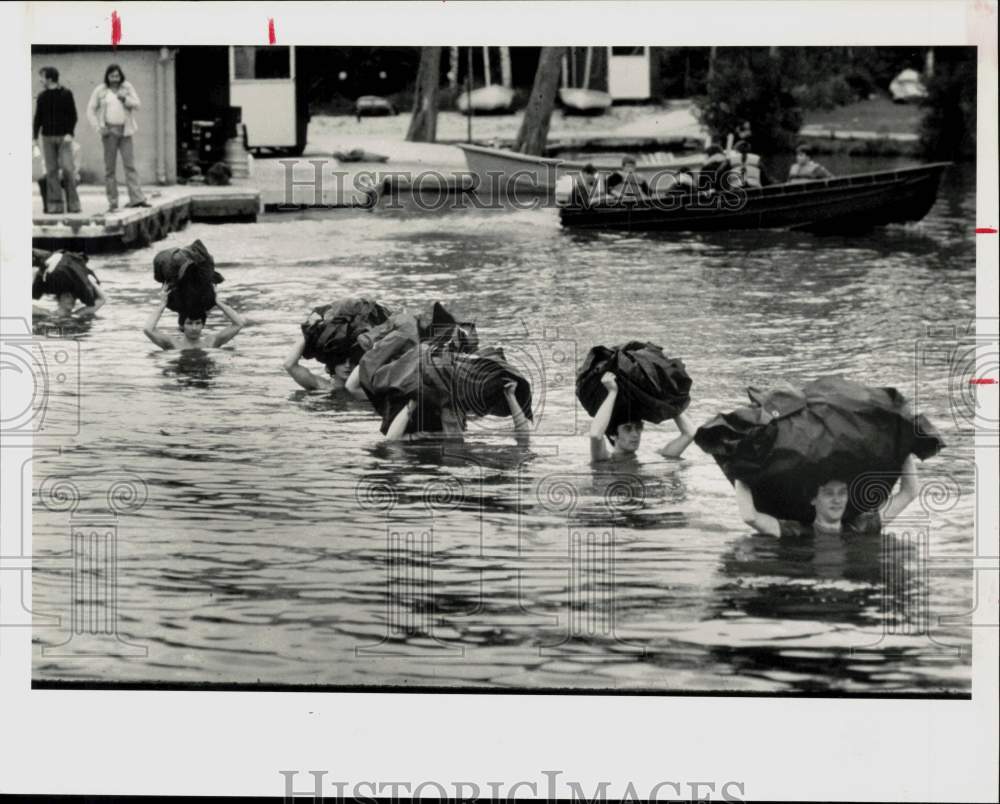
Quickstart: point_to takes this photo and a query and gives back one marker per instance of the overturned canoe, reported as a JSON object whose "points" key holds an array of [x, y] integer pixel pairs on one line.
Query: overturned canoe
{"points": [[584, 101], [847, 203], [486, 100]]}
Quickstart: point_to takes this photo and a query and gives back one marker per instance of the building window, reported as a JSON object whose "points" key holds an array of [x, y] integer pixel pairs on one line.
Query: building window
{"points": [[260, 63], [628, 51]]}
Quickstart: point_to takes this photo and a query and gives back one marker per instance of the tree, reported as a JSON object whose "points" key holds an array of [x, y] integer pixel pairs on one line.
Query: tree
{"points": [[750, 84], [948, 128], [423, 124], [535, 126]]}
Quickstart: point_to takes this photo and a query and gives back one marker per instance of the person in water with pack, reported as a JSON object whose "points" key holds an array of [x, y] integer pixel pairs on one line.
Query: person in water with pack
{"points": [[191, 325], [452, 421], [805, 168], [625, 436], [45, 264], [830, 503], [336, 381]]}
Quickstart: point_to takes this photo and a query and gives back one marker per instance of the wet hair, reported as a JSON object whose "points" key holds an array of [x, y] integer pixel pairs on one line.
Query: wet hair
{"points": [[802, 148], [184, 317], [49, 73], [112, 68], [612, 430], [713, 149]]}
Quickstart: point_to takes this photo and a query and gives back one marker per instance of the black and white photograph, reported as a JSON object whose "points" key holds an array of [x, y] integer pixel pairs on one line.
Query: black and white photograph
{"points": [[602, 369]]}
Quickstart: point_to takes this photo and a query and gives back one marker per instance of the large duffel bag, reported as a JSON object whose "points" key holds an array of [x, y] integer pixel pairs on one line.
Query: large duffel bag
{"points": [[69, 275], [190, 273], [331, 332], [789, 441]]}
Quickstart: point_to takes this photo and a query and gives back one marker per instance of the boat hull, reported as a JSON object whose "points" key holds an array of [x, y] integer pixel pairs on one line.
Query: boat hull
{"points": [[584, 101], [849, 203], [486, 100], [508, 170]]}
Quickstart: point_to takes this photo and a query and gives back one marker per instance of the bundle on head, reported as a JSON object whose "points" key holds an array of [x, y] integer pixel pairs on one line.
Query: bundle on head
{"points": [[331, 332], [652, 387], [477, 383], [410, 357], [788, 442], [190, 272], [62, 272]]}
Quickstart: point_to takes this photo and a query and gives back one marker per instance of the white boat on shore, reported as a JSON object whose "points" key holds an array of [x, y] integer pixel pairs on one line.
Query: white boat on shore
{"points": [[486, 100], [584, 101], [508, 169]]}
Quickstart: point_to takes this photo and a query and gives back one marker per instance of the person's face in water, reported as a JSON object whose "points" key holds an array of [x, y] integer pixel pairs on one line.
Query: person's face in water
{"points": [[342, 371], [65, 303], [830, 501], [628, 437], [192, 328]]}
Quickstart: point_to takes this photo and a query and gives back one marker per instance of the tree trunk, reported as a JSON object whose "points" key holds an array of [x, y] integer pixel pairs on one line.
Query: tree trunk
{"points": [[453, 68], [506, 74], [486, 67], [535, 126], [423, 124], [711, 62], [586, 68]]}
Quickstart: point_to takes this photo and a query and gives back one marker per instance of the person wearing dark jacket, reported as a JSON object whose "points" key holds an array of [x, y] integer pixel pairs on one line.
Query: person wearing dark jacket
{"points": [[55, 125]]}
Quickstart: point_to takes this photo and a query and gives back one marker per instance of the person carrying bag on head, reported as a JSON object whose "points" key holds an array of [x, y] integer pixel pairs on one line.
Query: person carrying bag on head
{"points": [[111, 111]]}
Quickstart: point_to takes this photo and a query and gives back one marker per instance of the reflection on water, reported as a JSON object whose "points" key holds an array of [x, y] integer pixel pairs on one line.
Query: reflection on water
{"points": [[192, 368], [281, 540]]}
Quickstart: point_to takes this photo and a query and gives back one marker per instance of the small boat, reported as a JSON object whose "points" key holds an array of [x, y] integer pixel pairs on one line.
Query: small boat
{"points": [[374, 106], [494, 99], [839, 204], [907, 87], [509, 169], [584, 101]]}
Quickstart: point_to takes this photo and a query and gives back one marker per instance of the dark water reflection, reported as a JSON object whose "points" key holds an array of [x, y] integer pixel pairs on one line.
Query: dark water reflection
{"points": [[282, 541]]}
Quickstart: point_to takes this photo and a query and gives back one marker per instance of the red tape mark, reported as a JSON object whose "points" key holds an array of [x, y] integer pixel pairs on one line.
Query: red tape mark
{"points": [[985, 381], [985, 230], [116, 29], [271, 38]]}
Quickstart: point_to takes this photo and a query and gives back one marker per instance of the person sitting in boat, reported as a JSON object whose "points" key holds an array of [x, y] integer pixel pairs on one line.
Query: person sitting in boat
{"points": [[710, 173], [585, 187], [626, 183], [745, 169], [192, 324], [743, 133], [830, 502], [625, 436], [805, 169]]}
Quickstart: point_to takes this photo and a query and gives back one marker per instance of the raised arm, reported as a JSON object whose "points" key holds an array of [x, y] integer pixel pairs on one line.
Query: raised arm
{"points": [[92, 108], [353, 384], [398, 427], [150, 330], [675, 448], [522, 427], [908, 491], [598, 449], [763, 523], [236, 323], [302, 375]]}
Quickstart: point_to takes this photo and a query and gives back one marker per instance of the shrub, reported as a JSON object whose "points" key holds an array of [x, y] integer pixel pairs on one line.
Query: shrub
{"points": [[948, 129], [749, 84]]}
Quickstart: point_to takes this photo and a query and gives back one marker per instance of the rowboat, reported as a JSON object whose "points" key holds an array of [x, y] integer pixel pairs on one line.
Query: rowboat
{"points": [[847, 203], [584, 101], [486, 100], [508, 170]]}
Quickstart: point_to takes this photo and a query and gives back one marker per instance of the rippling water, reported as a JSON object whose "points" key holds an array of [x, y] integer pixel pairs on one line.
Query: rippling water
{"points": [[275, 539]]}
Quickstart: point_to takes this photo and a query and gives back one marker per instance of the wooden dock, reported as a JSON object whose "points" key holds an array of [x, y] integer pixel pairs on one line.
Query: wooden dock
{"points": [[94, 230]]}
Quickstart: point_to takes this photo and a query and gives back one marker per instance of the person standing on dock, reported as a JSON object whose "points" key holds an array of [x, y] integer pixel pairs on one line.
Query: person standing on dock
{"points": [[191, 325], [111, 112], [55, 124]]}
